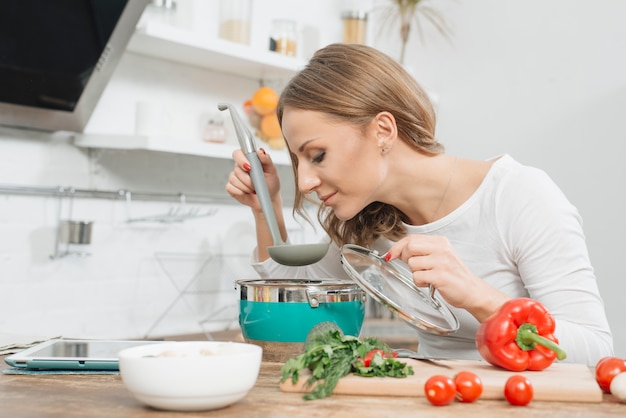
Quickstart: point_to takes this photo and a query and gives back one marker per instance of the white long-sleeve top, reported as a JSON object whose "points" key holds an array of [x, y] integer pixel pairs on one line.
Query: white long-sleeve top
{"points": [[520, 234]]}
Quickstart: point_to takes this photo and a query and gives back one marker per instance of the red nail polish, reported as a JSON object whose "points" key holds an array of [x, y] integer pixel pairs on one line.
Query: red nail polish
{"points": [[247, 167], [263, 151], [387, 257]]}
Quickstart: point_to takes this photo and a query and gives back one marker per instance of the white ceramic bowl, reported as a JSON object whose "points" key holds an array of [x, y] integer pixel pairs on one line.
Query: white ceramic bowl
{"points": [[190, 376]]}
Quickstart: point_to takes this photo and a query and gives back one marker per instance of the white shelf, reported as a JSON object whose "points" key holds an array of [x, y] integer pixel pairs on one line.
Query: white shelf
{"points": [[186, 47], [168, 145], [171, 43], [183, 46]]}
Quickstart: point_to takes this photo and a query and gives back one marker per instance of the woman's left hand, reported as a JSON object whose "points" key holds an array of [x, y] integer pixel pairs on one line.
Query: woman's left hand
{"points": [[433, 261]]}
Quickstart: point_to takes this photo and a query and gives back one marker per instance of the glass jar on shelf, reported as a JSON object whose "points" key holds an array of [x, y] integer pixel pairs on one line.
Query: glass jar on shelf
{"points": [[235, 16], [354, 26], [214, 130], [283, 37]]}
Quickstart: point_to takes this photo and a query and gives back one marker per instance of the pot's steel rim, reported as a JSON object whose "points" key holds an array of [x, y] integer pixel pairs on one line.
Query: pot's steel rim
{"points": [[300, 290], [297, 283]]}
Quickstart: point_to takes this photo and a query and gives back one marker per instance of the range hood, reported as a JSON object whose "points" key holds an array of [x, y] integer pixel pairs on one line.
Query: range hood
{"points": [[56, 57]]}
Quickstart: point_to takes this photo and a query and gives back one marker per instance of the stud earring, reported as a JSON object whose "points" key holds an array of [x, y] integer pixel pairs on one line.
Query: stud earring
{"points": [[384, 149]]}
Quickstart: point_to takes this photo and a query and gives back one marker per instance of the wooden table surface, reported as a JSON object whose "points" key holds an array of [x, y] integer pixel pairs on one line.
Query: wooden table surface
{"points": [[106, 396]]}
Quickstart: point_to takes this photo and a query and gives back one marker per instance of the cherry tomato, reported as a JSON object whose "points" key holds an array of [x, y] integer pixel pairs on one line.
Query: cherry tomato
{"points": [[469, 386], [606, 369], [518, 390], [439, 390]]}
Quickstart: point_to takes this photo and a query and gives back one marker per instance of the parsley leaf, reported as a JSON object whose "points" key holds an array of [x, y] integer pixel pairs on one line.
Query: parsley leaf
{"points": [[330, 356]]}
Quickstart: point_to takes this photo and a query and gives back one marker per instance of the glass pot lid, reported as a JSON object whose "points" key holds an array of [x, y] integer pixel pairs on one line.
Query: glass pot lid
{"points": [[390, 283]]}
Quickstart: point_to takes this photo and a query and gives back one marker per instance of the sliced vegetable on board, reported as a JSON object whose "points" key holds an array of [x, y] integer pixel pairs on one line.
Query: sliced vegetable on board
{"points": [[330, 355], [377, 356], [519, 336]]}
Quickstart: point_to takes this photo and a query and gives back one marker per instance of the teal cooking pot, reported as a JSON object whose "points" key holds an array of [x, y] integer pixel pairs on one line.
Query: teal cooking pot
{"points": [[279, 313]]}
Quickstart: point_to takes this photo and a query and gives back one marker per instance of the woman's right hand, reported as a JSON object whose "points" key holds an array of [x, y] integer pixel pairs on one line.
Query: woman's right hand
{"points": [[240, 186]]}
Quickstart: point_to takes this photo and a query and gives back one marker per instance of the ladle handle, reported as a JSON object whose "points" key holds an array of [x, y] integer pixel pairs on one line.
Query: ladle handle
{"points": [[260, 185], [246, 142]]}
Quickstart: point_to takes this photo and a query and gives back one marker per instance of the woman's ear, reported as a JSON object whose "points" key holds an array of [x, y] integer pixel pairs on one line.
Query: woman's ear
{"points": [[385, 130]]}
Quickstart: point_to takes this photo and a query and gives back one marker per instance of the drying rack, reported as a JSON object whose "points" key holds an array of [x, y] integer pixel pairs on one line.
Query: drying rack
{"points": [[181, 212], [200, 280], [178, 213], [62, 247]]}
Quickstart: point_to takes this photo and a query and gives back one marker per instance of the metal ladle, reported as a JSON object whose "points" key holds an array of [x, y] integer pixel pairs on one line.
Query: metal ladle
{"points": [[282, 253]]}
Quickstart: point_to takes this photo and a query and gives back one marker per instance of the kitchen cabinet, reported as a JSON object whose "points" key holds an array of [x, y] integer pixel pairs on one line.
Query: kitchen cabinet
{"points": [[186, 47], [172, 43]]}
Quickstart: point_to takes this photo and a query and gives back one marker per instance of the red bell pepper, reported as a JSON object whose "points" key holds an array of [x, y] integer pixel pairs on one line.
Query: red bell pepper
{"points": [[519, 336]]}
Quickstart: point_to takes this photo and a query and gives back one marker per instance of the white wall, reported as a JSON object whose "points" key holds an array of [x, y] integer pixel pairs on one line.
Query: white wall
{"points": [[134, 273], [543, 81]]}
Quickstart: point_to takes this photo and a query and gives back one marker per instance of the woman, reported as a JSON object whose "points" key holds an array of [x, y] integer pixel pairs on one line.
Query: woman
{"points": [[361, 134]]}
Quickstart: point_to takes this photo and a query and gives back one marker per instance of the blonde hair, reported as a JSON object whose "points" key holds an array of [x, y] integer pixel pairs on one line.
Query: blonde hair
{"points": [[352, 83]]}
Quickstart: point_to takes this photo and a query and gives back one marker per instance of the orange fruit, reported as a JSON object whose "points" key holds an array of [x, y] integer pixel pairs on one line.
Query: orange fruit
{"points": [[264, 100], [270, 126]]}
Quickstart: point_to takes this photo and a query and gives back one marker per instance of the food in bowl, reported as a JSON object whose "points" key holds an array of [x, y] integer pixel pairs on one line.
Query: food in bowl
{"points": [[192, 375]]}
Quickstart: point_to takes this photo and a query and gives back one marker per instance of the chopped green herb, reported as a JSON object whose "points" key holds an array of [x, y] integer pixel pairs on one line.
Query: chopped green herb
{"points": [[330, 355]]}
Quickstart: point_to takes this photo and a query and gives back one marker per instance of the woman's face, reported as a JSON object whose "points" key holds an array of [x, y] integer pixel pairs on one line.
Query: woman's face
{"points": [[342, 164]]}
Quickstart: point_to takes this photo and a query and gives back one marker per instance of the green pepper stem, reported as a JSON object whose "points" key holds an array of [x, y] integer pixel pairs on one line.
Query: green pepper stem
{"points": [[528, 338]]}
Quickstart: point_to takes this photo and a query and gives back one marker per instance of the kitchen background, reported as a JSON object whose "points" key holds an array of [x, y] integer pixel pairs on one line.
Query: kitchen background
{"points": [[542, 81]]}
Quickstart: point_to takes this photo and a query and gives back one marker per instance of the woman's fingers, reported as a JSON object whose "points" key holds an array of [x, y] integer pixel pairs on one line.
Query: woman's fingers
{"points": [[411, 246], [238, 184], [431, 260]]}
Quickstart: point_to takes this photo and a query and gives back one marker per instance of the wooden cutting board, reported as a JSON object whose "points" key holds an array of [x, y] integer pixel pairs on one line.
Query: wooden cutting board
{"points": [[560, 382]]}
